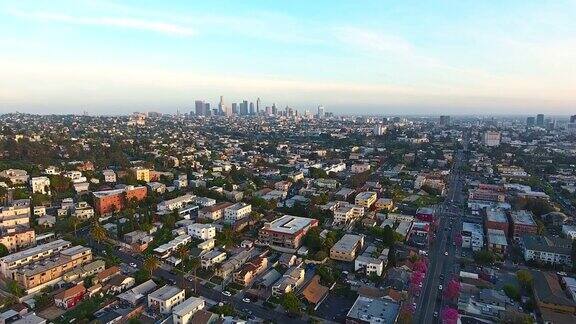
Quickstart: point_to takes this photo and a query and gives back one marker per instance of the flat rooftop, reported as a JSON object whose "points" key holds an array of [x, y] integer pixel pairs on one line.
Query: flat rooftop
{"points": [[165, 292], [366, 195], [54, 245], [187, 306], [288, 224], [369, 310], [523, 217], [348, 242], [496, 215]]}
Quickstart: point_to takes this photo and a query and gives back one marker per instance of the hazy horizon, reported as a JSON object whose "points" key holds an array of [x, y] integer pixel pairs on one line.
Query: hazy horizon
{"points": [[407, 58]]}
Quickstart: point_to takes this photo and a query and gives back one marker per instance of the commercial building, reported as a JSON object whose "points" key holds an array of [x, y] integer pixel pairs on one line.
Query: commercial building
{"points": [[366, 199], [165, 299], [286, 231], [522, 223], [110, 201], [472, 236], [182, 313], [366, 310], [347, 247], [237, 212]]}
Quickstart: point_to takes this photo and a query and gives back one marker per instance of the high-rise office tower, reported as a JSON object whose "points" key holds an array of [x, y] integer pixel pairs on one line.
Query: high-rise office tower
{"points": [[540, 120], [258, 106], [274, 109], [252, 111], [530, 121], [221, 106], [573, 119], [268, 110], [235, 109], [444, 120], [199, 108], [320, 114], [244, 108]]}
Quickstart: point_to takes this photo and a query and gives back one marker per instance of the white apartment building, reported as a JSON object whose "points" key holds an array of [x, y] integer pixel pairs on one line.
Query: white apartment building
{"points": [[236, 212], [212, 258], [40, 185], [109, 176], [75, 176], [182, 313], [166, 298], [202, 231], [177, 203]]}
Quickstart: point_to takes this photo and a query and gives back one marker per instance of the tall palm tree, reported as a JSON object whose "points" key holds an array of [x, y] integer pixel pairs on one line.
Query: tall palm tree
{"points": [[98, 232], [183, 253], [151, 264], [74, 222]]}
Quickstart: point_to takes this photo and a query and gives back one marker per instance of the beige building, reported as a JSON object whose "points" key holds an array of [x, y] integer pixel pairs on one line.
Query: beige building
{"points": [[141, 174], [10, 263], [166, 298], [347, 212], [385, 204], [366, 199], [37, 275], [293, 278], [182, 313], [18, 239], [16, 214], [347, 247]]}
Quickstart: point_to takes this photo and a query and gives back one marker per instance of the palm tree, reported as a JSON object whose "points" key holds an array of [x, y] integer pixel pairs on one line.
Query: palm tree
{"points": [[151, 264], [98, 232], [183, 253], [74, 222], [194, 265]]}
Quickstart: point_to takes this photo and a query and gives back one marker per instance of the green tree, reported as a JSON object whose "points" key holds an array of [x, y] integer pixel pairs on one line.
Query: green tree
{"points": [[512, 291], [525, 278], [151, 264], [3, 250], [14, 288], [184, 254], [291, 303], [98, 232]]}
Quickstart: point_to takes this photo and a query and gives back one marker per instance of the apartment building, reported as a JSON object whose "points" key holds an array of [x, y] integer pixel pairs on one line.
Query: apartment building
{"points": [[385, 204], [496, 219], [165, 299], [347, 247], [166, 249], [141, 174], [38, 275], [202, 231], [16, 176], [177, 203], [17, 239], [212, 258], [359, 167], [546, 249], [214, 212], [233, 263], [109, 176], [10, 263], [472, 236], [366, 199], [15, 214], [40, 185], [369, 264], [251, 270], [286, 231], [347, 212], [236, 212], [497, 241], [522, 222], [289, 282], [182, 313], [110, 201]]}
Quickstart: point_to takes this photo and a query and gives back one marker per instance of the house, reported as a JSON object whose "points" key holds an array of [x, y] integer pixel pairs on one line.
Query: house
{"points": [[119, 283], [250, 270], [289, 281], [314, 292], [165, 298], [134, 295], [69, 297], [212, 258]]}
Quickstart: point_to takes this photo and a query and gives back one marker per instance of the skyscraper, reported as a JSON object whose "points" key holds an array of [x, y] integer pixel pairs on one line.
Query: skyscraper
{"points": [[244, 108], [530, 121], [444, 120], [252, 111], [573, 119], [258, 106], [199, 108], [540, 120], [221, 106], [274, 109], [320, 112], [234, 109]]}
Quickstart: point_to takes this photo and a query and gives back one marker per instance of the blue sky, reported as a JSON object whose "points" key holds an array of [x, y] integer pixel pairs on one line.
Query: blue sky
{"points": [[385, 57]]}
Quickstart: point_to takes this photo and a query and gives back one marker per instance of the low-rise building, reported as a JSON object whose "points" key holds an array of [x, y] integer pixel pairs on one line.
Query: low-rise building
{"points": [[177, 203], [286, 231], [17, 238], [250, 270], [366, 310], [496, 219], [497, 242], [165, 299], [472, 236], [359, 167], [347, 212], [385, 204], [366, 199], [233, 263], [202, 231], [10, 263], [347, 247], [212, 258], [214, 212], [522, 223], [166, 249], [289, 282], [546, 249], [182, 313], [369, 264], [236, 212], [70, 297], [40, 185]]}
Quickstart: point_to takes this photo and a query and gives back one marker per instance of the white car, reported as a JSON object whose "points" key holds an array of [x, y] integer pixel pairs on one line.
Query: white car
{"points": [[246, 300], [446, 253], [440, 287], [133, 265], [226, 293]]}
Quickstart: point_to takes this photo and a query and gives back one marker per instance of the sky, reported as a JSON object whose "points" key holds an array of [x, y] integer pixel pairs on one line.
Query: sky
{"points": [[359, 57]]}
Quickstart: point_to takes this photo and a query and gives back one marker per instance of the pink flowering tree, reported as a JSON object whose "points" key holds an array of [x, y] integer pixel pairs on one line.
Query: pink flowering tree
{"points": [[420, 266], [449, 315], [452, 290]]}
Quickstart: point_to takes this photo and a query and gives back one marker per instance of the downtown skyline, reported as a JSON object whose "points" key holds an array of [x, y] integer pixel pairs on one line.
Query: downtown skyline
{"points": [[104, 57]]}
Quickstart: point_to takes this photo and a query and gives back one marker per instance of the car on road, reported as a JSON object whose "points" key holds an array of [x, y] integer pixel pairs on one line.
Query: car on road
{"points": [[133, 265], [226, 293], [446, 253], [440, 287], [246, 300], [441, 277], [435, 314]]}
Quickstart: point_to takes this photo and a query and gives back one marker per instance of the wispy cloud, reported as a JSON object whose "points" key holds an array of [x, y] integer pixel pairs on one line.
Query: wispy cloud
{"points": [[120, 22]]}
